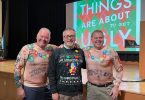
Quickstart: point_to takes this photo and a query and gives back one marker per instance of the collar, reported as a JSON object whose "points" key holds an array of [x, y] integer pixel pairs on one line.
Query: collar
{"points": [[67, 47]]}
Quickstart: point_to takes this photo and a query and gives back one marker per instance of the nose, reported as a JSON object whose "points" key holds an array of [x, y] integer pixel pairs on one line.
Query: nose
{"points": [[44, 38]]}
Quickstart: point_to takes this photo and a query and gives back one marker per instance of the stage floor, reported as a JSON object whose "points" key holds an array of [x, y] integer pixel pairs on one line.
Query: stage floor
{"points": [[131, 81]]}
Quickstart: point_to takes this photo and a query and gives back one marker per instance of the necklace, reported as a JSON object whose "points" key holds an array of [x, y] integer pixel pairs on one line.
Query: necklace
{"points": [[101, 55], [35, 52]]}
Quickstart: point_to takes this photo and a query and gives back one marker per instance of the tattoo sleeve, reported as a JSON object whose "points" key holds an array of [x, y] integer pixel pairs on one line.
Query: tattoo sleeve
{"points": [[119, 70], [20, 63]]}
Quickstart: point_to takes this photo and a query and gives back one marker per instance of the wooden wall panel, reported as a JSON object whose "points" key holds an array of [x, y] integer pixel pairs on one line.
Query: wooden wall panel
{"points": [[131, 96], [7, 87], [142, 51]]}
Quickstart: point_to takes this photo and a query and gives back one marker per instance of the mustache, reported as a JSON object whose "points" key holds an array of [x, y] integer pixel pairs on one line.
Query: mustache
{"points": [[99, 41]]}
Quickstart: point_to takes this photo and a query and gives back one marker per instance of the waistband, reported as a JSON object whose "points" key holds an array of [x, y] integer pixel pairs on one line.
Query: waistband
{"points": [[101, 85]]}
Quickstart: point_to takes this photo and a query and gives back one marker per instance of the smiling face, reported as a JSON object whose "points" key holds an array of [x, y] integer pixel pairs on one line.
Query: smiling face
{"points": [[43, 37], [69, 38], [97, 39]]}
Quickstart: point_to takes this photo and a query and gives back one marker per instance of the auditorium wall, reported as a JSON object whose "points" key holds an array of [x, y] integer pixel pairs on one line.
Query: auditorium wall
{"points": [[142, 51]]}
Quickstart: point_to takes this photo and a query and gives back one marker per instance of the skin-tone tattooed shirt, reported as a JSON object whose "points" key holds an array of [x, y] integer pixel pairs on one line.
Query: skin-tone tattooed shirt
{"points": [[100, 65], [31, 65]]}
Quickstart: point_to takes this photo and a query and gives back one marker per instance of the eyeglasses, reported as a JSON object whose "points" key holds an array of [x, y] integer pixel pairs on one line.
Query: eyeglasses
{"points": [[69, 36]]}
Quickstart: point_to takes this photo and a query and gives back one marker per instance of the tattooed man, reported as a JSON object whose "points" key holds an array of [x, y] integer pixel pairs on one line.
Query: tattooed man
{"points": [[100, 63], [30, 72]]}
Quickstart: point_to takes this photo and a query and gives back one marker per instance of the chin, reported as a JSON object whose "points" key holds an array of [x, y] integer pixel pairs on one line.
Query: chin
{"points": [[70, 45], [43, 45], [98, 47]]}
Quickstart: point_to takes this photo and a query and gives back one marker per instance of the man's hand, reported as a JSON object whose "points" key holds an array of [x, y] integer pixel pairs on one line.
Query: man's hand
{"points": [[55, 96], [76, 45], [20, 92], [61, 46], [114, 92]]}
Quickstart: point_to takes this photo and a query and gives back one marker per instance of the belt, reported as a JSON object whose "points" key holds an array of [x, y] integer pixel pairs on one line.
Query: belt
{"points": [[102, 85]]}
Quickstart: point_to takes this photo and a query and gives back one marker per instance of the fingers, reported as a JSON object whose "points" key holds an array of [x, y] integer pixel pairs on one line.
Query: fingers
{"points": [[114, 96], [111, 93]]}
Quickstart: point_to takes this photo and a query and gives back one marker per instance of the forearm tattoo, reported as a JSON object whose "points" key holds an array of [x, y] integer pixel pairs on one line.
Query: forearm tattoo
{"points": [[17, 78], [117, 64]]}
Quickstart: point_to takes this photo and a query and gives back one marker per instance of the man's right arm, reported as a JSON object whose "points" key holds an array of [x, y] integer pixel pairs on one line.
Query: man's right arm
{"points": [[52, 73], [20, 63]]}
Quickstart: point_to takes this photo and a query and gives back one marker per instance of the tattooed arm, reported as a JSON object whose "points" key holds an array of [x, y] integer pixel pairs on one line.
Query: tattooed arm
{"points": [[52, 47], [118, 76], [20, 63], [118, 68]]}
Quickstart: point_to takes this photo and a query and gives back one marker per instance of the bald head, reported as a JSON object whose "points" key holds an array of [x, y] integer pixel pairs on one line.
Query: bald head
{"points": [[43, 37], [97, 32], [44, 31]]}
